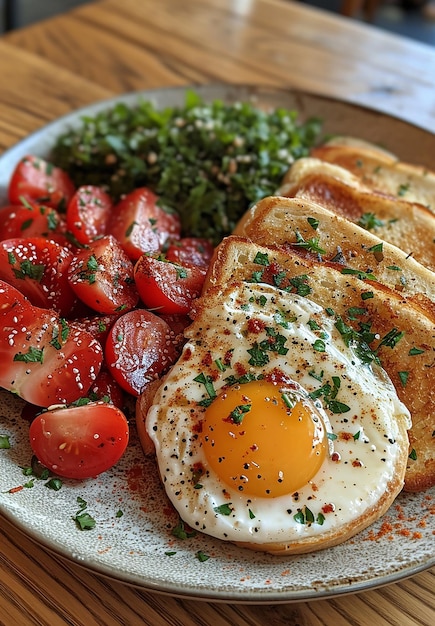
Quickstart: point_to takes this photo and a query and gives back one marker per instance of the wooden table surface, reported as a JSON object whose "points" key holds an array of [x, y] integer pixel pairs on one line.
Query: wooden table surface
{"points": [[109, 47]]}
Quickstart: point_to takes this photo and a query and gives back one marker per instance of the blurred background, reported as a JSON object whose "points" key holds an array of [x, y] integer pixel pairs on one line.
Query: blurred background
{"points": [[411, 18]]}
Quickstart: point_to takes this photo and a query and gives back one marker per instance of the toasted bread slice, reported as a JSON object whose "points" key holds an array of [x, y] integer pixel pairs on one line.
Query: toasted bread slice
{"points": [[407, 225], [382, 171], [401, 332], [303, 224]]}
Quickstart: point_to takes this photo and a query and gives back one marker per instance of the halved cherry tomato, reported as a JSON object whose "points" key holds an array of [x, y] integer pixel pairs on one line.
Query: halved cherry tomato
{"points": [[167, 287], [106, 388], [177, 323], [39, 181], [138, 349], [101, 275], [80, 441], [141, 225], [43, 359], [191, 252], [31, 220], [38, 268], [97, 325], [87, 213]]}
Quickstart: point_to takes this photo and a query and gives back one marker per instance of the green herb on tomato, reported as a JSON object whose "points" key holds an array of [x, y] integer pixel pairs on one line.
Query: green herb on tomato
{"points": [[209, 162]]}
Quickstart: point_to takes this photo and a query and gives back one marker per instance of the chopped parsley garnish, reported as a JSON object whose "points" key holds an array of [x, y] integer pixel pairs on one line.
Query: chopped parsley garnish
{"points": [[201, 556], [54, 483], [275, 342], [392, 338], [210, 162], [403, 188], [259, 356], [82, 518], [300, 285], [33, 355], [319, 345], [261, 258], [207, 381], [239, 412], [403, 376], [329, 393], [312, 245], [358, 273], [5, 443], [313, 222], [182, 532], [415, 351], [413, 455], [28, 270], [60, 334], [369, 221], [306, 516], [223, 509]]}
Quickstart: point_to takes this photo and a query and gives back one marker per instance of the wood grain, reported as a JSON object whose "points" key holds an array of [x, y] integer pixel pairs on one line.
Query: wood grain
{"points": [[33, 581], [109, 47], [135, 45]]}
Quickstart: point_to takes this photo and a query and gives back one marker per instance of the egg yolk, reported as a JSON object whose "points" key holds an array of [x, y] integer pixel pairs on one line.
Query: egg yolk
{"points": [[263, 441]]}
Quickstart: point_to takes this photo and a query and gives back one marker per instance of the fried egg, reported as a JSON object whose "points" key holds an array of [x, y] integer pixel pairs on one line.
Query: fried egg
{"points": [[270, 431]]}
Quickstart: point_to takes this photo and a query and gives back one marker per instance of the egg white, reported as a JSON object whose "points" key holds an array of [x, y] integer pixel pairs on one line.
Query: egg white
{"points": [[366, 438]]}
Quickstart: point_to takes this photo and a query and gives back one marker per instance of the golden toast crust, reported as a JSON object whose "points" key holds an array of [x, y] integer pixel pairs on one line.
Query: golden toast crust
{"points": [[381, 171], [407, 225]]}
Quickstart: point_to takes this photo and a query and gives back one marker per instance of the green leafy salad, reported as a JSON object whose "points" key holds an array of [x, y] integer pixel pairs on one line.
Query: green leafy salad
{"points": [[209, 162]]}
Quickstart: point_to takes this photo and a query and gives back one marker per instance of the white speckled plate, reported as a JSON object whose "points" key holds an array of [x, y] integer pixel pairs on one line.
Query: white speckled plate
{"points": [[133, 547]]}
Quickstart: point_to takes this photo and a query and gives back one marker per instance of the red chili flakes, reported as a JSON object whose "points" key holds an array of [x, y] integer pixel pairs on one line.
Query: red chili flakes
{"points": [[16, 489], [197, 428], [207, 360], [403, 525], [256, 326], [328, 508], [240, 369], [344, 436], [187, 354], [228, 356], [357, 463]]}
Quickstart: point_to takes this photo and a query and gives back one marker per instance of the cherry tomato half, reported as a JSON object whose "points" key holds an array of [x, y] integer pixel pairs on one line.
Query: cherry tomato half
{"points": [[167, 287], [101, 275], [43, 358], [38, 267], [191, 252], [80, 441], [37, 180], [139, 347], [31, 220], [87, 213], [141, 225]]}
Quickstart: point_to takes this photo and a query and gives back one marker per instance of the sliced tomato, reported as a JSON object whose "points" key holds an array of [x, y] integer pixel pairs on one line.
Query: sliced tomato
{"points": [[98, 325], [37, 180], [39, 269], [102, 276], [177, 324], [107, 389], [80, 441], [139, 348], [141, 225], [43, 359], [87, 213], [167, 287], [31, 220], [191, 252]]}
